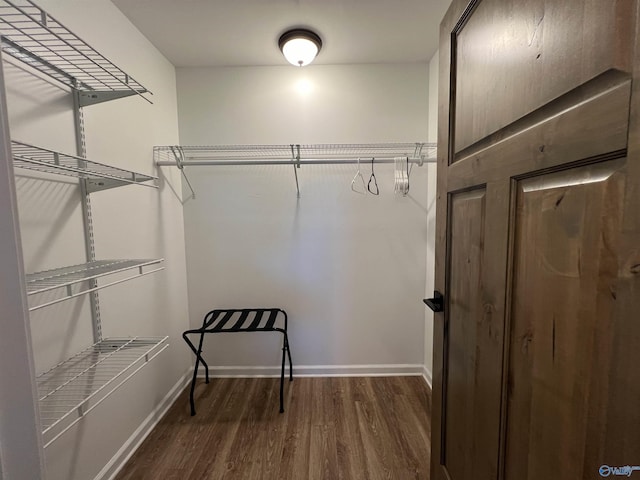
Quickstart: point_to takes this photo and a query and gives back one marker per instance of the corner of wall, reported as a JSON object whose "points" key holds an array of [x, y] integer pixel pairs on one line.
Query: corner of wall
{"points": [[431, 214], [427, 375]]}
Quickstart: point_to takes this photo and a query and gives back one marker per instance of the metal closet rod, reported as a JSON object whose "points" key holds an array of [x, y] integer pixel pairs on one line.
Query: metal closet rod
{"points": [[289, 161]]}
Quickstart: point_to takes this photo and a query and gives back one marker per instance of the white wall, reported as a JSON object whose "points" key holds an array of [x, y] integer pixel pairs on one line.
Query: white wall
{"points": [[129, 222], [349, 269], [315, 104], [431, 215]]}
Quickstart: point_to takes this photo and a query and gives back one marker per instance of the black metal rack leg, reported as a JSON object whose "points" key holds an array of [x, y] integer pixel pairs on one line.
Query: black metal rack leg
{"points": [[206, 367], [282, 376], [286, 343], [195, 374], [193, 387]]}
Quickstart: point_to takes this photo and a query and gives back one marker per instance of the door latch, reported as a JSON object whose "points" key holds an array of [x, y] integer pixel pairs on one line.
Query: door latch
{"points": [[436, 303]]}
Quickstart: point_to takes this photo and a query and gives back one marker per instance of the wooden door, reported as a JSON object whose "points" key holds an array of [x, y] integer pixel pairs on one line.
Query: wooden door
{"points": [[537, 352]]}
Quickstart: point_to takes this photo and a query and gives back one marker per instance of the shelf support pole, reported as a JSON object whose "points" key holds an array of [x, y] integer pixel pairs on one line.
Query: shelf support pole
{"points": [[81, 150]]}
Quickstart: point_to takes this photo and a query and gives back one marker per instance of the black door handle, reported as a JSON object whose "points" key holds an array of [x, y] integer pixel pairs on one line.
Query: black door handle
{"points": [[436, 303]]}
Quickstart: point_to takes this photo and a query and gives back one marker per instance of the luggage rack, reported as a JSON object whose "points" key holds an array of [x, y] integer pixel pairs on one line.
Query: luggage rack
{"points": [[234, 321]]}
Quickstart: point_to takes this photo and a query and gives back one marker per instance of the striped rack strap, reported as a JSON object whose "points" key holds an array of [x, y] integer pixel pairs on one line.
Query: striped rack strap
{"points": [[245, 320], [239, 320]]}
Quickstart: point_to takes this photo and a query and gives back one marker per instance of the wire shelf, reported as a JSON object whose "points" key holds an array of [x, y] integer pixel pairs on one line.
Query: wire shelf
{"points": [[98, 175], [76, 386], [66, 277], [34, 37], [274, 153]]}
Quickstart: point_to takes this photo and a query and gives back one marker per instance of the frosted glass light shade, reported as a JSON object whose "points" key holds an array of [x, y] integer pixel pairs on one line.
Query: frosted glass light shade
{"points": [[299, 51], [300, 47]]}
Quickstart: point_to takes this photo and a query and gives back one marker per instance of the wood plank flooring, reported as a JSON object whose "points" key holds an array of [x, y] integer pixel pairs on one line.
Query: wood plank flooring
{"points": [[333, 428]]}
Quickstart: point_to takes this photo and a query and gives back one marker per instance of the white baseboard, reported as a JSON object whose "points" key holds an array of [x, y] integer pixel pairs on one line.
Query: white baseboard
{"points": [[119, 460], [426, 374], [316, 371]]}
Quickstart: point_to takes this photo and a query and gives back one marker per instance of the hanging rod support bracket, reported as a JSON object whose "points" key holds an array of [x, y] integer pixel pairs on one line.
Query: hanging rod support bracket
{"points": [[296, 159], [178, 154]]}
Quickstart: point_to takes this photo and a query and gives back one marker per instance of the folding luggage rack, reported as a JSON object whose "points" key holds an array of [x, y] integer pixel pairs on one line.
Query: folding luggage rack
{"points": [[244, 320]]}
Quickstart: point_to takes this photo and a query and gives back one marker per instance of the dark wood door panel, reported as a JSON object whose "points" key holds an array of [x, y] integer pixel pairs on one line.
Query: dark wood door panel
{"points": [[464, 439], [565, 270], [513, 56], [467, 226]]}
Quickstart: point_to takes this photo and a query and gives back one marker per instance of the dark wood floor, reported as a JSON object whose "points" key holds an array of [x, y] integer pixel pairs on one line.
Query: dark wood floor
{"points": [[332, 428]]}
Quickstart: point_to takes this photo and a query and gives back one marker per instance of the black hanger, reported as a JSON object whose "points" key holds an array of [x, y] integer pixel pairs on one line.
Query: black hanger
{"points": [[375, 182]]}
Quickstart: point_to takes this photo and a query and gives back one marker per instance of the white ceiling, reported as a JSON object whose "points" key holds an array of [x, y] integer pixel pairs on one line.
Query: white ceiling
{"points": [[245, 32]]}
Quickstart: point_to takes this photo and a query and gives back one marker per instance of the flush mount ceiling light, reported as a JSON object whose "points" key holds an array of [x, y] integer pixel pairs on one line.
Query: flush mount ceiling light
{"points": [[300, 46]]}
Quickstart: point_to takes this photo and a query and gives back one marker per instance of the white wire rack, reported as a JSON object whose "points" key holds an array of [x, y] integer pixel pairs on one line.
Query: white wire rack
{"points": [[98, 175], [191, 155], [34, 37], [67, 277], [292, 154], [76, 386]]}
